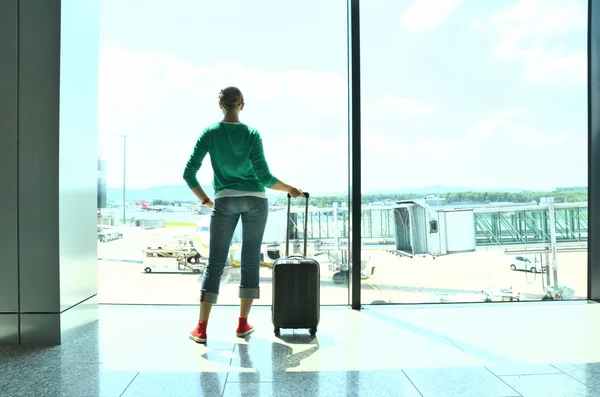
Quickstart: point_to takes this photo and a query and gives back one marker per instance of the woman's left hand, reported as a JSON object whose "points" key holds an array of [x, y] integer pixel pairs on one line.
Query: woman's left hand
{"points": [[210, 204]]}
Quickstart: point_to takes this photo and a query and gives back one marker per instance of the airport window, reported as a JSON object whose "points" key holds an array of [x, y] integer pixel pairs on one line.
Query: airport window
{"points": [[159, 88], [460, 130], [474, 182]]}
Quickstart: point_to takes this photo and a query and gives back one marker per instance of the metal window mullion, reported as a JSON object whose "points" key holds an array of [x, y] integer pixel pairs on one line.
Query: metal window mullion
{"points": [[354, 154], [593, 221]]}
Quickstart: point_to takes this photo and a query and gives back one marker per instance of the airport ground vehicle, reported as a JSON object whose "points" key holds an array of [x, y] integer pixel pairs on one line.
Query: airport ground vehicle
{"points": [[178, 264], [502, 295], [524, 263], [177, 255], [173, 248], [106, 235]]}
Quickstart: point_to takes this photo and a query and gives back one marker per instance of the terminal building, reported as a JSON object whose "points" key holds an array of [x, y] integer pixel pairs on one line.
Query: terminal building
{"points": [[57, 340]]}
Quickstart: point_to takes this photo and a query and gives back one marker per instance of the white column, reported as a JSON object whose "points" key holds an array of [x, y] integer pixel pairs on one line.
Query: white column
{"points": [[9, 275], [48, 281]]}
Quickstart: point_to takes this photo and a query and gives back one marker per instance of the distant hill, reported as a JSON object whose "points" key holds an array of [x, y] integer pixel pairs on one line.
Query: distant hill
{"points": [[434, 189], [171, 193], [183, 193]]}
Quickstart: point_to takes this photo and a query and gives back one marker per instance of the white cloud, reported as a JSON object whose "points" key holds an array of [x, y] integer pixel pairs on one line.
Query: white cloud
{"points": [[507, 113], [492, 153], [402, 104], [163, 103], [532, 32], [503, 131], [542, 18], [569, 68], [425, 15], [477, 25], [506, 135], [130, 78]]}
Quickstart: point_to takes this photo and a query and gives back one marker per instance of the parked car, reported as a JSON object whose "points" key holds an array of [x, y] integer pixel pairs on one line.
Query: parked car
{"points": [[533, 265]]}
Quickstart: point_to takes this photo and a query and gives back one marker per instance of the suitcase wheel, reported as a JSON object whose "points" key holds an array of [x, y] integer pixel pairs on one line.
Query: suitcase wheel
{"points": [[313, 331], [277, 331]]}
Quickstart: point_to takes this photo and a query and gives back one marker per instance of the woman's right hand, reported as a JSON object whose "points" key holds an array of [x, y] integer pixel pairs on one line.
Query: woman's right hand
{"points": [[284, 187], [295, 192]]}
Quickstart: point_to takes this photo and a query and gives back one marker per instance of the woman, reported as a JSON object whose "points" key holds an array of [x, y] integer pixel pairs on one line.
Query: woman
{"points": [[241, 174]]}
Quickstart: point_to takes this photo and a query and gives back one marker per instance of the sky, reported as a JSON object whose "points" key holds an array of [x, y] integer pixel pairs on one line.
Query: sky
{"points": [[481, 94]]}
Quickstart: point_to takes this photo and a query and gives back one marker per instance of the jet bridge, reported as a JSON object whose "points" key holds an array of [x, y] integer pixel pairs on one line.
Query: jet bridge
{"points": [[425, 230]]}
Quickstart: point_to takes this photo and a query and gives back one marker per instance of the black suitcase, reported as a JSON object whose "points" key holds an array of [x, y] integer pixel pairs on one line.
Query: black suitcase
{"points": [[296, 286]]}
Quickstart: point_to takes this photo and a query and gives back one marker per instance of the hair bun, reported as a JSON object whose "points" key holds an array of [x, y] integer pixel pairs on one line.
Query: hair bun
{"points": [[230, 97]]}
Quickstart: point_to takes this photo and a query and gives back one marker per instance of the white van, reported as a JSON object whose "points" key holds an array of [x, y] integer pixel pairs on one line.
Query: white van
{"points": [[524, 263]]}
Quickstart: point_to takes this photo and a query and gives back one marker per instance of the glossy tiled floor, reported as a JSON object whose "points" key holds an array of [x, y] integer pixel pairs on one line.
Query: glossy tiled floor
{"points": [[544, 349]]}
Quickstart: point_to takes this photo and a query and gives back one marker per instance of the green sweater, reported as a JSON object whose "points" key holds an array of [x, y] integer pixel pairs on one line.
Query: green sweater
{"points": [[237, 158]]}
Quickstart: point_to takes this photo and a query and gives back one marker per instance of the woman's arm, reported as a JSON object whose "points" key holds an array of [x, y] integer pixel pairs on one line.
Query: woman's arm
{"points": [[259, 163], [191, 169], [202, 196], [284, 187]]}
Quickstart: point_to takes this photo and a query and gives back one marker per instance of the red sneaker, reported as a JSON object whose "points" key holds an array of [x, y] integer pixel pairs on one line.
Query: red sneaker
{"points": [[243, 329], [199, 333]]}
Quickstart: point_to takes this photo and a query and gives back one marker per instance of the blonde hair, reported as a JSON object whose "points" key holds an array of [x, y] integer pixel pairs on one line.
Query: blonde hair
{"points": [[230, 98]]}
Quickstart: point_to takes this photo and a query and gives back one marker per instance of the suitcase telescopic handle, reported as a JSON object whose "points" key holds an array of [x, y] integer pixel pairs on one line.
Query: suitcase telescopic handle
{"points": [[306, 194], [287, 234]]}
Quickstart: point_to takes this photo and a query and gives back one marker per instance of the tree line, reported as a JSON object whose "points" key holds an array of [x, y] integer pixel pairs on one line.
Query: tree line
{"points": [[561, 195]]}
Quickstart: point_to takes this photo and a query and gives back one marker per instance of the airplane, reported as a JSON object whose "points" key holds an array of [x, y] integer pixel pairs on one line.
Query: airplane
{"points": [[202, 244], [146, 208]]}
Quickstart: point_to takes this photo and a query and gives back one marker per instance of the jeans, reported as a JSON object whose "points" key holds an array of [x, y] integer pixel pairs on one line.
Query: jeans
{"points": [[224, 219]]}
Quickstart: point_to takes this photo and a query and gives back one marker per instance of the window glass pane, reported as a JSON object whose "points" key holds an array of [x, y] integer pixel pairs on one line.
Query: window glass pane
{"points": [[162, 66], [475, 118]]}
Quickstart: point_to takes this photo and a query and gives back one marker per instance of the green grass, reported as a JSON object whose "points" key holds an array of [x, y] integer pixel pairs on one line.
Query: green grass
{"points": [[179, 224]]}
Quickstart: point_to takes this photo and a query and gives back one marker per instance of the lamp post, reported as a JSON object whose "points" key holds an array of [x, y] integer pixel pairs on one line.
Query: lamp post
{"points": [[124, 169]]}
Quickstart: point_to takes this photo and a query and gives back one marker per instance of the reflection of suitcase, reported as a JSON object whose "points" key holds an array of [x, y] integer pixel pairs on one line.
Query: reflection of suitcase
{"points": [[296, 286]]}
